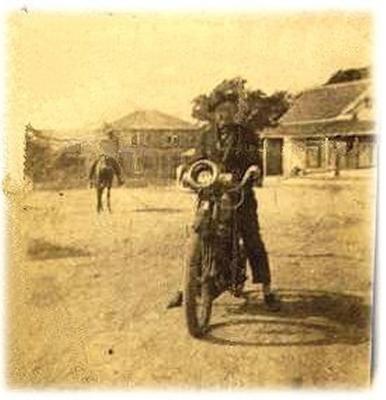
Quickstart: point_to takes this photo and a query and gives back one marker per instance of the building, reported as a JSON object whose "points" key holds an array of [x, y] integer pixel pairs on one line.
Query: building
{"points": [[326, 125], [148, 144]]}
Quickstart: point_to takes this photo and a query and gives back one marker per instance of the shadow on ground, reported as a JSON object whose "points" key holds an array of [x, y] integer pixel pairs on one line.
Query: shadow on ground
{"points": [[39, 249], [307, 317], [158, 210]]}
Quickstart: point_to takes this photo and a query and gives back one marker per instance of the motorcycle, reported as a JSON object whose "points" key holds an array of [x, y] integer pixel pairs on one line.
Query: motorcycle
{"points": [[218, 261]]}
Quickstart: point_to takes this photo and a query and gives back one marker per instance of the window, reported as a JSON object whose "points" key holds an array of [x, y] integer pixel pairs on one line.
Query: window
{"points": [[313, 155], [148, 162], [134, 139], [173, 140], [137, 164], [145, 139], [193, 139]]}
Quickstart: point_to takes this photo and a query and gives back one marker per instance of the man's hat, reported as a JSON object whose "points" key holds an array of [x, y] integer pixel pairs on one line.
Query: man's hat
{"points": [[223, 97]]}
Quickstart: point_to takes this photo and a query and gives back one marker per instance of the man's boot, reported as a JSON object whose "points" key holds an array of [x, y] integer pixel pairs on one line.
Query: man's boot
{"points": [[272, 302], [176, 300]]}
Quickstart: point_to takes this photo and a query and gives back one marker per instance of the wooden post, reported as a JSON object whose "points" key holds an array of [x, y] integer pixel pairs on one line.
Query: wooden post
{"points": [[326, 153], [286, 156], [337, 157], [265, 157], [356, 151]]}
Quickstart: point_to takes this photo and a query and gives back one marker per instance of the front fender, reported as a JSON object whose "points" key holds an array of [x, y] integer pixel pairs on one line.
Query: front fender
{"points": [[203, 219]]}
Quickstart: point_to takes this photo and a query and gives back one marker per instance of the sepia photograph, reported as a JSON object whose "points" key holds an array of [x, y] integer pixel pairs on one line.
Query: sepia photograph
{"points": [[191, 199]]}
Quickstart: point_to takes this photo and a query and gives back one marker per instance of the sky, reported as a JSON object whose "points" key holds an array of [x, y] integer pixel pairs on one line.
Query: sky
{"points": [[68, 71], [77, 70]]}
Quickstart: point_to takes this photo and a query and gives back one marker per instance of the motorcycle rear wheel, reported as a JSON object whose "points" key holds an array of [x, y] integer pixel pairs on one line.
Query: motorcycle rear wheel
{"points": [[198, 296]]}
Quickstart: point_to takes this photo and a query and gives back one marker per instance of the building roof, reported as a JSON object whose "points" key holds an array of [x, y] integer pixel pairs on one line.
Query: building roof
{"points": [[324, 102], [151, 120], [329, 128]]}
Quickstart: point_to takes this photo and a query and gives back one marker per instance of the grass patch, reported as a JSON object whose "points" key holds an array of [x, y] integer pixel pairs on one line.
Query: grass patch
{"points": [[39, 249]]}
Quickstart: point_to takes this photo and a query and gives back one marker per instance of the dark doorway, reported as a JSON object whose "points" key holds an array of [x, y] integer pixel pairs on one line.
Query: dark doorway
{"points": [[352, 154], [274, 154]]}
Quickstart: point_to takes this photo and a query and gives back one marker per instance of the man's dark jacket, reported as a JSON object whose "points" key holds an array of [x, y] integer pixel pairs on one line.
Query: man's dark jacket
{"points": [[236, 149]]}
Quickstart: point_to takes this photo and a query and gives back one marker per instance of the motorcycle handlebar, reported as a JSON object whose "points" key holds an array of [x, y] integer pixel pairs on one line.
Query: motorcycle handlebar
{"points": [[252, 172]]}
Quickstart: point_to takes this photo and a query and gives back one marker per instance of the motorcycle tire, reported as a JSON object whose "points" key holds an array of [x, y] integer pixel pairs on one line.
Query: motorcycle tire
{"points": [[197, 291]]}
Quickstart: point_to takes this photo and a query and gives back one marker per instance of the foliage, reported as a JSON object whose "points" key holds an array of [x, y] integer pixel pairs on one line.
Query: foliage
{"points": [[256, 110], [38, 159], [348, 75]]}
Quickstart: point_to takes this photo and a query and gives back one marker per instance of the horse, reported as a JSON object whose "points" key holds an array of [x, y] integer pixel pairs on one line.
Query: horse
{"points": [[101, 176]]}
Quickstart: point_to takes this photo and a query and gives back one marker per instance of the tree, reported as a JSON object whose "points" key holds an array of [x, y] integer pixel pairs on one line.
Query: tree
{"points": [[349, 75], [256, 110], [37, 157]]}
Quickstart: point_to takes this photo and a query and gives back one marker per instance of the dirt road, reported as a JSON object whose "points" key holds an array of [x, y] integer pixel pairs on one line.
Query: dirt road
{"points": [[88, 292]]}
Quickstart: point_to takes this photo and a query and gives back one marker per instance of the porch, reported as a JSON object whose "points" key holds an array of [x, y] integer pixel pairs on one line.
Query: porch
{"points": [[291, 156]]}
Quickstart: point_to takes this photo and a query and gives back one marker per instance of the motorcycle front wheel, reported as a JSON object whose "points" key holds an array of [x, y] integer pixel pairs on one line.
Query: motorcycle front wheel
{"points": [[198, 296]]}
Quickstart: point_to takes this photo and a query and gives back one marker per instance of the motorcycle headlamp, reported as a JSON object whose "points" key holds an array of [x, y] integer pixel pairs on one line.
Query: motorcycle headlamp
{"points": [[202, 174]]}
